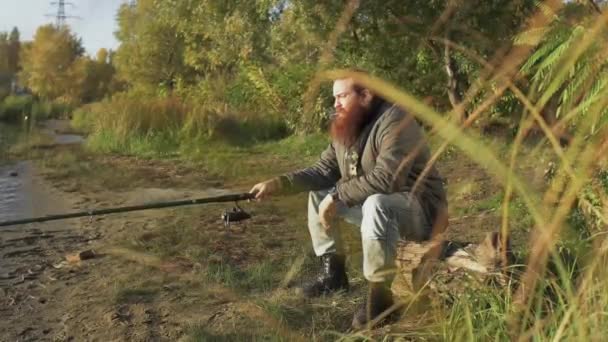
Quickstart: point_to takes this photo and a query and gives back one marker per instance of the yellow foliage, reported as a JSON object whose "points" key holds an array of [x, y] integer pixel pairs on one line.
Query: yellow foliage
{"points": [[47, 63]]}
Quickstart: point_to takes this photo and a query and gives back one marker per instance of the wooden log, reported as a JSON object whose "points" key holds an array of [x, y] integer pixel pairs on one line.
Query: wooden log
{"points": [[418, 263]]}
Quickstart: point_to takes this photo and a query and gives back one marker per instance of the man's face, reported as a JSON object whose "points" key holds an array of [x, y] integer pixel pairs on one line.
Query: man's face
{"points": [[346, 100], [351, 111]]}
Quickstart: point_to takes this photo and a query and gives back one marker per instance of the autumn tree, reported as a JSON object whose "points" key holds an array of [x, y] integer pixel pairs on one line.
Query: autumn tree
{"points": [[150, 55], [14, 46], [48, 62], [218, 35], [9, 60], [93, 77], [410, 43], [271, 49]]}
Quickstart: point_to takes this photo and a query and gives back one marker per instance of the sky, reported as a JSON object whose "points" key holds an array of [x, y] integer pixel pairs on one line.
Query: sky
{"points": [[96, 26]]}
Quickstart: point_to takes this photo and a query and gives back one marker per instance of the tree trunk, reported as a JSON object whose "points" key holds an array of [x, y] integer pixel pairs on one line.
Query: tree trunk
{"points": [[549, 115], [455, 82]]}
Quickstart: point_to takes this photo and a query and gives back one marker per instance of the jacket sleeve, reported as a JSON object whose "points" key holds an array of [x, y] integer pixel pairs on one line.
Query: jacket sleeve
{"points": [[322, 175], [398, 141]]}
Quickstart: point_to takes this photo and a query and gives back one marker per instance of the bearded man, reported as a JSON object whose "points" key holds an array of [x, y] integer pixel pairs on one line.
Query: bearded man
{"points": [[372, 175]]}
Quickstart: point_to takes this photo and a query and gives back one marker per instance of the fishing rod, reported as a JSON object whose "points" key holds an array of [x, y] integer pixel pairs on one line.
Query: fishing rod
{"points": [[235, 215]]}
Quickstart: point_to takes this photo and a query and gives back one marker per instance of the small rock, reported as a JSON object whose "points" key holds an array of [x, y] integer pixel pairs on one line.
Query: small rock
{"points": [[13, 174], [84, 255]]}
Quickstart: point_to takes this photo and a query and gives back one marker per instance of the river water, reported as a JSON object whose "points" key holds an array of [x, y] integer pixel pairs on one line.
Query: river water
{"points": [[21, 193], [14, 178], [16, 200], [24, 194]]}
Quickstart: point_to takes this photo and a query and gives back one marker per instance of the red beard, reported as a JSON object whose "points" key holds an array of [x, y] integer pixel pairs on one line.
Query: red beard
{"points": [[346, 126]]}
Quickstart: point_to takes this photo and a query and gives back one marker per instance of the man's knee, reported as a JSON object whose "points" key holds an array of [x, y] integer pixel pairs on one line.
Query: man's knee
{"points": [[374, 203], [376, 218]]}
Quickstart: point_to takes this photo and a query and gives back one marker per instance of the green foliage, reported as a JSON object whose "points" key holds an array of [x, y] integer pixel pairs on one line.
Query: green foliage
{"points": [[132, 124], [477, 314], [95, 78], [15, 108], [559, 69], [82, 119], [9, 53], [603, 178], [10, 47], [42, 110], [150, 55], [231, 32], [47, 63], [590, 216], [569, 74], [261, 56]]}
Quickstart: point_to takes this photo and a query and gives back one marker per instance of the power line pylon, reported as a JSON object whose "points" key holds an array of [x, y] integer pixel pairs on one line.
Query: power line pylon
{"points": [[61, 16]]}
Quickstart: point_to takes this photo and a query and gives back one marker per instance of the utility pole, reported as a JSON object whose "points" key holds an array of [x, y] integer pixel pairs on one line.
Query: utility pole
{"points": [[61, 16]]}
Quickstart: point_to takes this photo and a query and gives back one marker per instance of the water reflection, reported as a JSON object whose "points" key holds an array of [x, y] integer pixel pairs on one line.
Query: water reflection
{"points": [[15, 179]]}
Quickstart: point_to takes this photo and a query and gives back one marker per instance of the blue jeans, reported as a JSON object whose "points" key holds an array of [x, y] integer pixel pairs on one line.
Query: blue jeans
{"points": [[384, 220]]}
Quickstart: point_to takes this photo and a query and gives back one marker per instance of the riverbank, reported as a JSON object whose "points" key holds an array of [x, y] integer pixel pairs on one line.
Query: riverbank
{"points": [[180, 274], [31, 272]]}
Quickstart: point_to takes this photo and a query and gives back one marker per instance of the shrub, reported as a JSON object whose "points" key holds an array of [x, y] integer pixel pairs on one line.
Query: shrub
{"points": [[4, 92], [14, 108], [83, 118]]}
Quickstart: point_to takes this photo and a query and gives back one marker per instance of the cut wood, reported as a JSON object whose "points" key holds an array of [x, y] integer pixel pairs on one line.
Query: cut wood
{"points": [[418, 263]]}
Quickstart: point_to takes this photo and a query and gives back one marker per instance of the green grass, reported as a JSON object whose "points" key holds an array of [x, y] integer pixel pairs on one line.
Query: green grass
{"points": [[135, 295], [132, 288], [9, 135], [256, 277], [491, 203], [151, 145]]}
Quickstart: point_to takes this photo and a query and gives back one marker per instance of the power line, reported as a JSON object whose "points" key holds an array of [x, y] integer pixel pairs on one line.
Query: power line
{"points": [[61, 15]]}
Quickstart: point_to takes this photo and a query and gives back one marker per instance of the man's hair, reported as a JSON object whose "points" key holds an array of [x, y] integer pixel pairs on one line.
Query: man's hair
{"points": [[358, 88]]}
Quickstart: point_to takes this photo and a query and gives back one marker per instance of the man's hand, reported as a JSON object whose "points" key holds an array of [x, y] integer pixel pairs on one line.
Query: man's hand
{"points": [[267, 188], [327, 211]]}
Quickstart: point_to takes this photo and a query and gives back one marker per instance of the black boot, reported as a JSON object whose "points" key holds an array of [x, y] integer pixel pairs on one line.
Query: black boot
{"points": [[379, 300], [331, 278]]}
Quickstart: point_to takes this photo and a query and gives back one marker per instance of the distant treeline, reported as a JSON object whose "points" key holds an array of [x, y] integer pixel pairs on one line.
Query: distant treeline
{"points": [[255, 60]]}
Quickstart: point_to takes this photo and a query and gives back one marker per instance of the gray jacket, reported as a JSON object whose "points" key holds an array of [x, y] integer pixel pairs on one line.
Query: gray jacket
{"points": [[389, 156]]}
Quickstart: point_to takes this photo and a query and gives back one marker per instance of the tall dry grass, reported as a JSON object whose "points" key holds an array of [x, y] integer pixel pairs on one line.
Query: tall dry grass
{"points": [[154, 126], [551, 300]]}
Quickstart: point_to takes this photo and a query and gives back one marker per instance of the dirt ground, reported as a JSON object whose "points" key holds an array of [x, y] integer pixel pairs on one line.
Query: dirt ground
{"points": [[179, 274]]}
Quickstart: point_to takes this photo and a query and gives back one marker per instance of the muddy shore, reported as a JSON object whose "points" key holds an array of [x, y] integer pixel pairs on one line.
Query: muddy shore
{"points": [[45, 297]]}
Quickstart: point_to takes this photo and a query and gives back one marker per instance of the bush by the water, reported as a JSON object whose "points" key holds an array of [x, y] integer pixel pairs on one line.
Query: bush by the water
{"points": [[131, 124], [15, 108]]}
